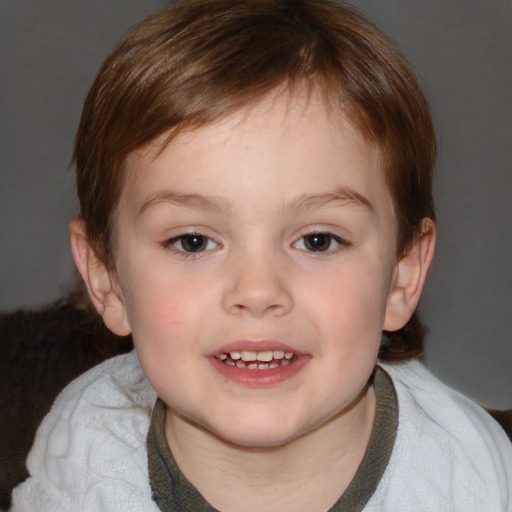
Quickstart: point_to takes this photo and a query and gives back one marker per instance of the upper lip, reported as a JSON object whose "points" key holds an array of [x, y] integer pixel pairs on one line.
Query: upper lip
{"points": [[255, 346]]}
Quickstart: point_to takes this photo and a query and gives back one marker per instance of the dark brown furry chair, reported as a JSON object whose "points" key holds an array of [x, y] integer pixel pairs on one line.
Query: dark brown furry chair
{"points": [[40, 352]]}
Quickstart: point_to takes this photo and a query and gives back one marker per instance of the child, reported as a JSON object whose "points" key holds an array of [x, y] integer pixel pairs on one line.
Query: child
{"points": [[254, 180]]}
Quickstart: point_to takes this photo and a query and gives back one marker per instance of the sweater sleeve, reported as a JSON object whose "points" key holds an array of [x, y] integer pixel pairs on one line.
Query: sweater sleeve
{"points": [[90, 450], [449, 455]]}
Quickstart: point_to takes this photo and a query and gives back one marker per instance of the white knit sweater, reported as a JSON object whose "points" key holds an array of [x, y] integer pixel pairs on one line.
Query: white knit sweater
{"points": [[90, 450]]}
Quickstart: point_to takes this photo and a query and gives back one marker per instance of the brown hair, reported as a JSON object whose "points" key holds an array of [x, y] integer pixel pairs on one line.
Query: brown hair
{"points": [[200, 60]]}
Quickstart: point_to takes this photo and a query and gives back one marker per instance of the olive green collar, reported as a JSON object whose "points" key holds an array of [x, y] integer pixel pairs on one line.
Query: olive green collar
{"points": [[174, 493]]}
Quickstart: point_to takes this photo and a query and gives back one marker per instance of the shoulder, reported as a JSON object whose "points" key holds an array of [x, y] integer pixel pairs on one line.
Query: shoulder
{"points": [[432, 406], [91, 447], [449, 453]]}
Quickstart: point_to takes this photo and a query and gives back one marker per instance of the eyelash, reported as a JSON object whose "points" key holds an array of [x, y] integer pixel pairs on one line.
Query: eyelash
{"points": [[321, 236]]}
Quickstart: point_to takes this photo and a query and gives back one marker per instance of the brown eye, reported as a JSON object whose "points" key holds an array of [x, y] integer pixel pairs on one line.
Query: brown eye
{"points": [[192, 243], [319, 242]]}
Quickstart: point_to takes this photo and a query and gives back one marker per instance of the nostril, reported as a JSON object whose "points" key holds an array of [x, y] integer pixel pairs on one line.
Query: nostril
{"points": [[256, 292], [259, 310]]}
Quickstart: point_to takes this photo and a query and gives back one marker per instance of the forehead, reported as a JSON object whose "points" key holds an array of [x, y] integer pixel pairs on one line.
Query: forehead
{"points": [[289, 141]]}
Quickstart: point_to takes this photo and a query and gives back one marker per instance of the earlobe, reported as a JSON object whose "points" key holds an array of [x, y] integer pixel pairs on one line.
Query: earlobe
{"points": [[100, 283], [409, 278]]}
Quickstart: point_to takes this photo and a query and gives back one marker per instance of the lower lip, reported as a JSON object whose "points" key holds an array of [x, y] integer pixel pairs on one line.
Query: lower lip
{"points": [[260, 378]]}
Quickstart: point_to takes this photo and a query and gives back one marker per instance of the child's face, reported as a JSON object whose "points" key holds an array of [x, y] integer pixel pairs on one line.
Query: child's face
{"points": [[269, 232]]}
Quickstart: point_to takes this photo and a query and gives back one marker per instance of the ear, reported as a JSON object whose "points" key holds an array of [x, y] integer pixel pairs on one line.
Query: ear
{"points": [[409, 278], [101, 284]]}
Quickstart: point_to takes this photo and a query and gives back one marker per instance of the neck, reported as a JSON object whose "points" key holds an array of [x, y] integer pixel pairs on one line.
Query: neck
{"points": [[307, 474]]}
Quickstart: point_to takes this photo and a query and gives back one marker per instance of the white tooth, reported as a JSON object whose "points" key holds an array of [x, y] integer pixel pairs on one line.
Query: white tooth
{"points": [[285, 362], [274, 365], [230, 363], [240, 364], [252, 366], [278, 354], [288, 355], [235, 355], [246, 355], [265, 356], [223, 356], [263, 366]]}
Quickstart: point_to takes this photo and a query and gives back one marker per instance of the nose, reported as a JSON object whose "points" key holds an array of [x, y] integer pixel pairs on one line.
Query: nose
{"points": [[257, 286]]}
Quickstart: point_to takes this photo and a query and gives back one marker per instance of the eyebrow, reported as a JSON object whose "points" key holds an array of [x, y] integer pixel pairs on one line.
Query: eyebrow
{"points": [[200, 201], [304, 202], [338, 197]]}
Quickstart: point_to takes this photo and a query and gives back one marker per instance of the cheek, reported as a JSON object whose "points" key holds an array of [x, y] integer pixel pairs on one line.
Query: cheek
{"points": [[351, 305], [165, 316], [161, 307]]}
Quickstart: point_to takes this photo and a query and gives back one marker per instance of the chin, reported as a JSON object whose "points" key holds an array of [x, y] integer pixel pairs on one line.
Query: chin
{"points": [[260, 439], [260, 433]]}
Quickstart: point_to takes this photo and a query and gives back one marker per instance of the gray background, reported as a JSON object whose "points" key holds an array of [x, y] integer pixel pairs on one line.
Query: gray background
{"points": [[462, 51]]}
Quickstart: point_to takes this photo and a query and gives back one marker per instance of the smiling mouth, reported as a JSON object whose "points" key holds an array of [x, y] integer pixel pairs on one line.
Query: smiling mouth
{"points": [[252, 360]]}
